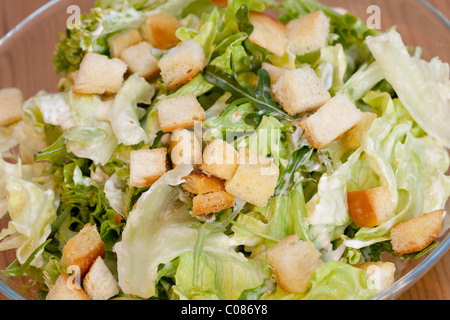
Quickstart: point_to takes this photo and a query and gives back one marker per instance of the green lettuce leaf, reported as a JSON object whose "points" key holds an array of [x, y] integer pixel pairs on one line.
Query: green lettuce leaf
{"points": [[423, 87], [223, 273], [125, 115], [157, 231], [32, 209]]}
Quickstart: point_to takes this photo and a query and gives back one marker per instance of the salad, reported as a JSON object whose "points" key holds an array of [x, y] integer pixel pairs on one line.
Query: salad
{"points": [[234, 150]]}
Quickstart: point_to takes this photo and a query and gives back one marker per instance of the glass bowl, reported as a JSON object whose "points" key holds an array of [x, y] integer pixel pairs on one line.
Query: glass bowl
{"points": [[25, 62]]}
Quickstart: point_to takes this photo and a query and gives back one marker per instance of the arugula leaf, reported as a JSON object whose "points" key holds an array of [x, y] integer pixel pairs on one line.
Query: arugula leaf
{"points": [[261, 97], [288, 179]]}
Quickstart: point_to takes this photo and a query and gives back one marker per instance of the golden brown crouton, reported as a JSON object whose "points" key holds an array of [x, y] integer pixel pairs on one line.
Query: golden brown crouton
{"points": [[255, 178], [268, 33], [299, 91], [381, 273], [352, 138], [83, 249], [219, 159], [147, 166], [416, 234], [200, 183], [140, 60], [331, 121], [66, 288], [182, 63], [99, 283], [185, 148], [160, 30], [293, 261], [212, 202], [180, 113], [122, 40], [370, 208], [99, 75], [308, 33], [11, 101]]}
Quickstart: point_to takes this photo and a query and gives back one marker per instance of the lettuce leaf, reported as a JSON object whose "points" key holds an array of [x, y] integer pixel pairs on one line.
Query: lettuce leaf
{"points": [[32, 209], [157, 231], [423, 87], [125, 115], [223, 273]]}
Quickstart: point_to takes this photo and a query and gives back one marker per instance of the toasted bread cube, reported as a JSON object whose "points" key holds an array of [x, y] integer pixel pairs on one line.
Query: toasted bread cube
{"points": [[381, 273], [220, 159], [352, 138], [255, 178], [299, 91], [160, 30], [308, 33], [331, 121], [293, 261], [180, 113], [147, 166], [275, 73], [185, 148], [66, 288], [140, 60], [83, 249], [182, 63], [99, 283], [370, 208], [416, 234], [268, 33], [212, 202], [99, 75], [201, 183], [122, 40], [11, 101]]}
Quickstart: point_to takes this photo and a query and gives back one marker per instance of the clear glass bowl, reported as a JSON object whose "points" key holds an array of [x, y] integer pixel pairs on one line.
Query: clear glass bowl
{"points": [[25, 62]]}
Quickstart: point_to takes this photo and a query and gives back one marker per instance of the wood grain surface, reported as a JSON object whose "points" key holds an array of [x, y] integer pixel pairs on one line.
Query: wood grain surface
{"points": [[435, 285]]}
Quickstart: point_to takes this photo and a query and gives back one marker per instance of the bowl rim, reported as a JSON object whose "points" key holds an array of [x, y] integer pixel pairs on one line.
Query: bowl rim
{"points": [[402, 283]]}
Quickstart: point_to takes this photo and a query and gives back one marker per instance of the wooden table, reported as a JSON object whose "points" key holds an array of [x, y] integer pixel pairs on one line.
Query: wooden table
{"points": [[435, 285]]}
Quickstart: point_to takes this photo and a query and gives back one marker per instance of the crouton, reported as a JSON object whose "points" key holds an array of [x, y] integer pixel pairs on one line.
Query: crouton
{"points": [[293, 261], [180, 113], [11, 101], [99, 283], [181, 64], [160, 30], [416, 234], [99, 75], [212, 202], [308, 33], [299, 91], [147, 166], [220, 159], [82, 249], [185, 148], [268, 33], [122, 40], [140, 60], [331, 121], [66, 288], [352, 138], [370, 208], [381, 273], [201, 183], [255, 178], [274, 72]]}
